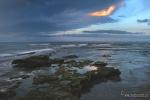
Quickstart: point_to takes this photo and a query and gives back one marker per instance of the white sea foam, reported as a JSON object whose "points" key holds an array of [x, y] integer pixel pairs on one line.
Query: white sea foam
{"points": [[101, 45], [41, 44], [84, 69], [82, 45], [68, 45], [6, 55], [24, 54], [73, 45], [37, 52]]}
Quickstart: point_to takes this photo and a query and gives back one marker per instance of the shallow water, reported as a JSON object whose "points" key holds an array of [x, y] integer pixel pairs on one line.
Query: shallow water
{"points": [[132, 59], [135, 67]]}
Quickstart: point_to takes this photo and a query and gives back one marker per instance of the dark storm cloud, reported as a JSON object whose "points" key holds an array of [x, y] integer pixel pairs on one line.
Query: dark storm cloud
{"points": [[49, 15], [99, 33], [60, 24], [109, 31], [122, 16], [143, 20], [147, 21]]}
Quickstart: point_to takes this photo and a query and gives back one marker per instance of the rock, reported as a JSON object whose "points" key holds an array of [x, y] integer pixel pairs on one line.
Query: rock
{"points": [[9, 85], [70, 61], [83, 63], [86, 62], [32, 62], [15, 85], [66, 82], [64, 73], [56, 61], [70, 57], [41, 79], [105, 55], [19, 76], [80, 64], [5, 94], [78, 83], [104, 73], [100, 64], [80, 79], [110, 72], [36, 61]]}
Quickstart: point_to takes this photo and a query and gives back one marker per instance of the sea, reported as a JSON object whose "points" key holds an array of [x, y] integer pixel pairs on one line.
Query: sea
{"points": [[132, 58]]}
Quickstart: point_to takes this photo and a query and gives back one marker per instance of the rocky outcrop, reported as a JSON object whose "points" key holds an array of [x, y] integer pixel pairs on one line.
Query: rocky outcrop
{"points": [[70, 57], [5, 94], [31, 62], [67, 81], [100, 64], [41, 79]]}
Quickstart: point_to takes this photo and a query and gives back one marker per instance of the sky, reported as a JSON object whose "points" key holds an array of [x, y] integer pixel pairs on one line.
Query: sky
{"points": [[27, 20]]}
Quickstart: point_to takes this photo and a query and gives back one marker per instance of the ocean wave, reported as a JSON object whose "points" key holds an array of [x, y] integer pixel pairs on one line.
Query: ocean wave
{"points": [[20, 54], [41, 44], [68, 45], [73, 45], [82, 45], [101, 45], [37, 52], [6, 55]]}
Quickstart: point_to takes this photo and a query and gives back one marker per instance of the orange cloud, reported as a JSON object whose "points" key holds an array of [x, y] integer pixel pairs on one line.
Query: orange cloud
{"points": [[106, 12]]}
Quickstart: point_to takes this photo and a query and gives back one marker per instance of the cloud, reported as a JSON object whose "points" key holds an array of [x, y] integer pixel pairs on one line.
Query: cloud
{"points": [[33, 16], [122, 16], [109, 31], [143, 20], [95, 33], [56, 23], [147, 21], [107, 11]]}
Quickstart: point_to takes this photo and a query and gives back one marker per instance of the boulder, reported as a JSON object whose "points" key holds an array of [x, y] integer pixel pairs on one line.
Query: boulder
{"points": [[80, 64], [100, 64], [56, 61], [70, 57], [41, 79], [105, 55], [32, 62], [104, 73], [65, 82], [5, 94], [19, 76]]}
